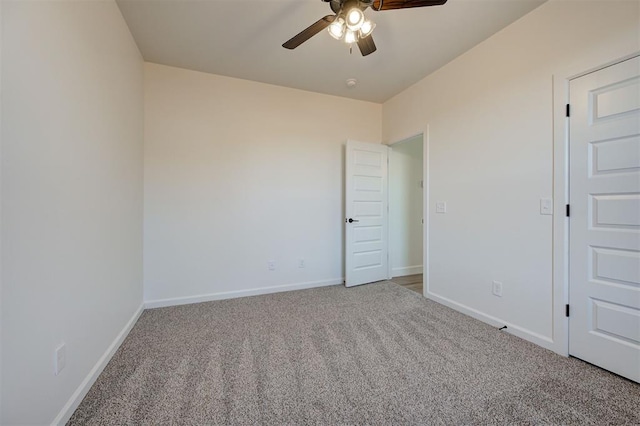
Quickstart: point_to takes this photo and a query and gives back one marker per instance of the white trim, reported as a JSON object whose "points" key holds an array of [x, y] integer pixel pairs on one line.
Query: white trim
{"points": [[72, 404], [426, 190], [406, 138], [560, 228], [407, 270], [518, 331], [389, 212], [1, 295], [560, 283], [161, 303]]}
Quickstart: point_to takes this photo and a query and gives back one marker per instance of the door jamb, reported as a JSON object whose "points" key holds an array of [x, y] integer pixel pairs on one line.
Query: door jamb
{"points": [[560, 238]]}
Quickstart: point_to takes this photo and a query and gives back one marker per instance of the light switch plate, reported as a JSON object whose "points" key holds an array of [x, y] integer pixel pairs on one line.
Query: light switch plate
{"points": [[441, 206], [59, 359], [546, 206]]}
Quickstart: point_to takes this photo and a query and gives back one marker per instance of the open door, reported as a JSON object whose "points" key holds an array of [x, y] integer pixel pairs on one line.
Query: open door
{"points": [[366, 222]]}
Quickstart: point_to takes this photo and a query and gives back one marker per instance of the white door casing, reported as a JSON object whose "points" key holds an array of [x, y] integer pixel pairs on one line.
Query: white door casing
{"points": [[366, 222], [604, 224]]}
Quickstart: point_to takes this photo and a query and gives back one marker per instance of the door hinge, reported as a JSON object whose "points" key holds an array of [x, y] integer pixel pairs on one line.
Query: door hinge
{"points": [[567, 310], [568, 113], [568, 210]]}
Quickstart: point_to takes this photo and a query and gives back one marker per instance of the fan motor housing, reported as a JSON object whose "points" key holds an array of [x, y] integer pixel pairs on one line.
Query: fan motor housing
{"points": [[339, 5]]}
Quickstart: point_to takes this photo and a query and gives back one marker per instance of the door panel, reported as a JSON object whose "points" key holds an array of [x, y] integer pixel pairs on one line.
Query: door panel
{"points": [[604, 271], [616, 156], [366, 204]]}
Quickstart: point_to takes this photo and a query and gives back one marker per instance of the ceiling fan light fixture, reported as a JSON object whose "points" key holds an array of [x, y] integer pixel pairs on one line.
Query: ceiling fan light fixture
{"points": [[366, 28], [355, 18], [337, 28], [348, 22], [350, 37]]}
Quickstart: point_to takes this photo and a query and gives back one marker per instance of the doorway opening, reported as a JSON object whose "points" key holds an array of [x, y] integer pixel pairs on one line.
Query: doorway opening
{"points": [[406, 217]]}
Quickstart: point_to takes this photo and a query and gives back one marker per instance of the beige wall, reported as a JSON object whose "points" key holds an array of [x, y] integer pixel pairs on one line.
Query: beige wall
{"points": [[237, 174], [491, 156], [71, 197]]}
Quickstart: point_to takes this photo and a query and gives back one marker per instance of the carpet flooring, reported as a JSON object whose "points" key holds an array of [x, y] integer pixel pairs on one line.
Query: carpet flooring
{"points": [[375, 354]]}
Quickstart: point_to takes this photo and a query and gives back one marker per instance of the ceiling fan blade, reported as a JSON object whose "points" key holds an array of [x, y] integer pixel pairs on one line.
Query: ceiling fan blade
{"points": [[404, 4], [366, 45], [309, 32]]}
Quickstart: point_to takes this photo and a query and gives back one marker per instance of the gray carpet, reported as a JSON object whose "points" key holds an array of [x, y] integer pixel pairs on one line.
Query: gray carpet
{"points": [[375, 354]]}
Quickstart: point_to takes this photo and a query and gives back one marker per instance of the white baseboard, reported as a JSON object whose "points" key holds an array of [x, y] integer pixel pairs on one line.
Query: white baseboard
{"points": [[523, 333], [407, 270], [161, 303], [72, 404]]}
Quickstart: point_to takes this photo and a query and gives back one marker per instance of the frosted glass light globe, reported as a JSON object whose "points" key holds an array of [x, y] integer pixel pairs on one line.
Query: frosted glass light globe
{"points": [[355, 18], [350, 37]]}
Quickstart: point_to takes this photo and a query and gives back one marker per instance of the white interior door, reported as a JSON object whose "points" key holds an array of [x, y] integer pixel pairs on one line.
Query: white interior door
{"points": [[604, 289], [366, 221]]}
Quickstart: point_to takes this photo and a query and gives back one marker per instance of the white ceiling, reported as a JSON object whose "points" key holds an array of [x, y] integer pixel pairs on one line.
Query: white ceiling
{"points": [[243, 39]]}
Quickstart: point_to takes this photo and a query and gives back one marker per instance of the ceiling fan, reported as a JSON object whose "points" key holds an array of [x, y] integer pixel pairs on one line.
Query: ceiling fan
{"points": [[349, 23]]}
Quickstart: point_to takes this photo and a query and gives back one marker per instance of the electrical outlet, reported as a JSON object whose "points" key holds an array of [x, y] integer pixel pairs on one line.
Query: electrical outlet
{"points": [[497, 288], [301, 263], [271, 265], [59, 359]]}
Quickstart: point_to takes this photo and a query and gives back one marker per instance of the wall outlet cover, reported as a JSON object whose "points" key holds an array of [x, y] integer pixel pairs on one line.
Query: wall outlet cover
{"points": [[496, 288], [59, 359]]}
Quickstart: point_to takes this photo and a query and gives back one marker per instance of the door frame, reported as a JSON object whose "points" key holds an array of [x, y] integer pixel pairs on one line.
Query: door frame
{"points": [[561, 186], [425, 203]]}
